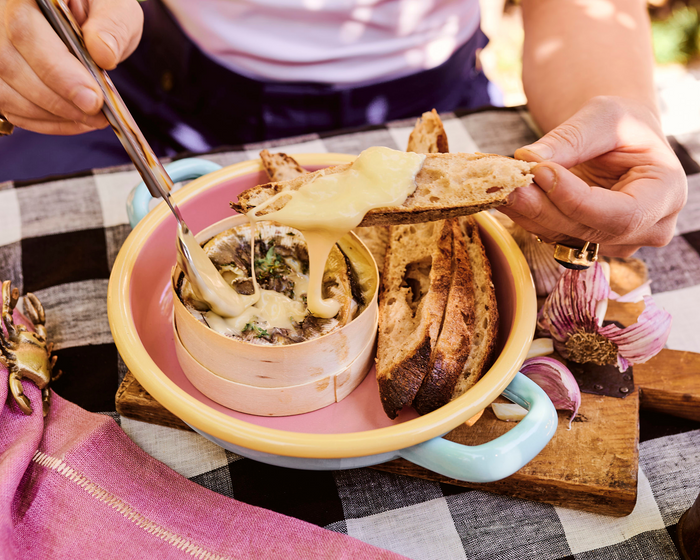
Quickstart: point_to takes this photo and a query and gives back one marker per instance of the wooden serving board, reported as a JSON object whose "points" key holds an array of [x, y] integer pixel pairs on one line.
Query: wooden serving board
{"points": [[592, 467]]}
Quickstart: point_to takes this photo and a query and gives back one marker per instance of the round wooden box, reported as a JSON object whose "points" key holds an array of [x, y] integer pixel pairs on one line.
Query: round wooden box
{"points": [[279, 380]]}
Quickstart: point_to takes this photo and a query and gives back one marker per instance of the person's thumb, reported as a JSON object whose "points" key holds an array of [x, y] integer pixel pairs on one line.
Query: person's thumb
{"points": [[112, 30], [583, 137]]}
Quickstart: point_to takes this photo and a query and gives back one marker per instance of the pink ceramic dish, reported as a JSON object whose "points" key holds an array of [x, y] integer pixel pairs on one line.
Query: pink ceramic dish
{"points": [[140, 309]]}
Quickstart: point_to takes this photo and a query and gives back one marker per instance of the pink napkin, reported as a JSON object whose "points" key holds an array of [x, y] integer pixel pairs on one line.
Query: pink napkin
{"points": [[73, 485]]}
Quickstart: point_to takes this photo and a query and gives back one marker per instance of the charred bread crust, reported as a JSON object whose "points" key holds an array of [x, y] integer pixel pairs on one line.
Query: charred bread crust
{"points": [[454, 341], [396, 388], [448, 185]]}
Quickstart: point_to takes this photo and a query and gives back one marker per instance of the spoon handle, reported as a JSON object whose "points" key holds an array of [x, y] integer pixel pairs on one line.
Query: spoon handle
{"points": [[156, 178]]}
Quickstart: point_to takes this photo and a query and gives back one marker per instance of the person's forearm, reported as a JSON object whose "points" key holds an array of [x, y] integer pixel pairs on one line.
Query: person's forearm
{"points": [[577, 49]]}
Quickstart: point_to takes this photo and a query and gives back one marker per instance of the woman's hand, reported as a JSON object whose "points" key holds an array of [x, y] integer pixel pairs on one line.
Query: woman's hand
{"points": [[43, 87], [607, 176]]}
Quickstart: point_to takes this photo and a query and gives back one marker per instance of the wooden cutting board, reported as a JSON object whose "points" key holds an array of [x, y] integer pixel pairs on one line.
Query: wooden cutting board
{"points": [[592, 467]]}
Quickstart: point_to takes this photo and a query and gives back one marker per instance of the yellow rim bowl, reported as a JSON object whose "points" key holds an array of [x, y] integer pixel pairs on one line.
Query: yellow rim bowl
{"points": [[310, 445]]}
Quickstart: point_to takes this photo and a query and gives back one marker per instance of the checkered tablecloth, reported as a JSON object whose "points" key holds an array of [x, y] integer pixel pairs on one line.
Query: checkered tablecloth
{"points": [[59, 239]]}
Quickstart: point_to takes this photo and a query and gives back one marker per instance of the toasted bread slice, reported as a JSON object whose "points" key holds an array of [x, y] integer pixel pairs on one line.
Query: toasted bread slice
{"points": [[447, 186], [483, 342], [455, 339], [428, 136], [415, 285], [281, 167]]}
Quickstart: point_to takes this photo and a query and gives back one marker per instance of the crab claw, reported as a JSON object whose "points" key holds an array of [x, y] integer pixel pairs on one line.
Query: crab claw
{"points": [[34, 309], [18, 394], [9, 302]]}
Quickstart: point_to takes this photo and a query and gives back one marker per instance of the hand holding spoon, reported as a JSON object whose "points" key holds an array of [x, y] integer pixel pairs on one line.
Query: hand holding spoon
{"points": [[206, 281]]}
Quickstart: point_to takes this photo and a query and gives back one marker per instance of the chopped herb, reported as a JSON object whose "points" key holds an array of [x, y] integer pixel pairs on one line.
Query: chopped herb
{"points": [[259, 332], [271, 266]]}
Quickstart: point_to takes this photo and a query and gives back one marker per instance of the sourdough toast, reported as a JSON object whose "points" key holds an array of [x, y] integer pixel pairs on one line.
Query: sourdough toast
{"points": [[447, 186], [415, 286]]}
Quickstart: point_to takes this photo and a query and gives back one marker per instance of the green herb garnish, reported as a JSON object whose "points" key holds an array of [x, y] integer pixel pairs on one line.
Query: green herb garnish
{"points": [[271, 266], [259, 332]]}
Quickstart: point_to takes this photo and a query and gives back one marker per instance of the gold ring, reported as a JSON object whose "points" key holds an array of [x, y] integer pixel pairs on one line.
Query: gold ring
{"points": [[6, 127], [576, 258]]}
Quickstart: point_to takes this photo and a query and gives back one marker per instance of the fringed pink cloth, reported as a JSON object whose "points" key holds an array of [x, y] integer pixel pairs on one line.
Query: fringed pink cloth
{"points": [[73, 485]]}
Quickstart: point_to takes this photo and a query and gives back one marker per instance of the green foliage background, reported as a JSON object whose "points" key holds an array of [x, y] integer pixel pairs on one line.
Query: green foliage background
{"points": [[676, 32]]}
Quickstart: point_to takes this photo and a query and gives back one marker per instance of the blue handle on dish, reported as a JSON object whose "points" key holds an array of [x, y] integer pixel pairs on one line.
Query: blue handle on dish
{"points": [[501, 457], [182, 170]]}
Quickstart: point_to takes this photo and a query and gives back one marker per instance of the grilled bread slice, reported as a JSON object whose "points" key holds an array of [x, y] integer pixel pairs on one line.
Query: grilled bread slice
{"points": [[483, 343], [448, 185], [454, 341], [415, 286], [281, 167], [453, 347], [428, 135], [376, 238]]}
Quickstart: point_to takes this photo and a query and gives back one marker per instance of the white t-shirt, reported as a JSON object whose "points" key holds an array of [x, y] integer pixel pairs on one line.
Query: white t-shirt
{"points": [[330, 41]]}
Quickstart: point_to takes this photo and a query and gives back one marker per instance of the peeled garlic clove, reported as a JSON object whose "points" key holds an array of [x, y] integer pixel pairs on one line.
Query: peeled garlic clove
{"points": [[510, 412], [540, 347], [557, 381]]}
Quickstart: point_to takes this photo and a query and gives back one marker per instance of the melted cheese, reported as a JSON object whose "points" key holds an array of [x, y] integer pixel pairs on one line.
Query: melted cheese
{"points": [[323, 210], [330, 206], [208, 284], [272, 309]]}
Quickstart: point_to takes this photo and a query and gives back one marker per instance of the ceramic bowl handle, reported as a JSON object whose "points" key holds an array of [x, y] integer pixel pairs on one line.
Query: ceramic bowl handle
{"points": [[181, 170], [504, 455]]}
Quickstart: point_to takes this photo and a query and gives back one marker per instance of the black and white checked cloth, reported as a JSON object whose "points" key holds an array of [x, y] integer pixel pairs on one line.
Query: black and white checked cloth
{"points": [[59, 239]]}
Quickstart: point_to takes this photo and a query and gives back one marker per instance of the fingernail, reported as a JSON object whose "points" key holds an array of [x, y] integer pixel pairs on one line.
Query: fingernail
{"points": [[545, 178], [512, 197], [542, 151], [109, 40], [86, 100]]}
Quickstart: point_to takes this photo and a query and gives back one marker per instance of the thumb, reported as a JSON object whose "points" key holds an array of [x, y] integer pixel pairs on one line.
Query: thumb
{"points": [[112, 30], [586, 135]]}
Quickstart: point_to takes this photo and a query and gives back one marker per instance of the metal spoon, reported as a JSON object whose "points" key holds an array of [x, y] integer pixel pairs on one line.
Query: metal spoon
{"points": [[206, 282]]}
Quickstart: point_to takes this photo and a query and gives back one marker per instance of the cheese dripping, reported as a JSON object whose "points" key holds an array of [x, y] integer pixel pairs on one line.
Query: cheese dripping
{"points": [[267, 306], [330, 206], [208, 284]]}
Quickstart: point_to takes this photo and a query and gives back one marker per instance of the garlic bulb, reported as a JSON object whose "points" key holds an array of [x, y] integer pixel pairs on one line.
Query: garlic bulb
{"points": [[570, 317]]}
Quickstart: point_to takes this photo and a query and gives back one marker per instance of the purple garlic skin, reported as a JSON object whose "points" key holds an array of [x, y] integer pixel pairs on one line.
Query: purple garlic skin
{"points": [[572, 317], [557, 381]]}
